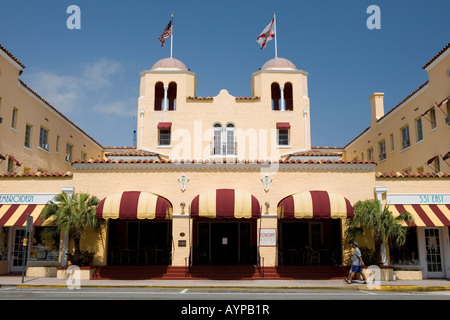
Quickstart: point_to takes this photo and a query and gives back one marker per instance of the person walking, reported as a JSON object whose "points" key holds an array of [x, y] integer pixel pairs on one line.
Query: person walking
{"points": [[357, 263]]}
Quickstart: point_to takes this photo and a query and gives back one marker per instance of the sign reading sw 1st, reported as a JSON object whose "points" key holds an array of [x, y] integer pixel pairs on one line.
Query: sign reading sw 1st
{"points": [[443, 198]]}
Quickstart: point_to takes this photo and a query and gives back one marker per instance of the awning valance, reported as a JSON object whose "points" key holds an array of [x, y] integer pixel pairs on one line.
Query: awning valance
{"points": [[164, 125], [134, 205], [315, 205], [15, 215], [225, 203], [425, 215], [283, 125]]}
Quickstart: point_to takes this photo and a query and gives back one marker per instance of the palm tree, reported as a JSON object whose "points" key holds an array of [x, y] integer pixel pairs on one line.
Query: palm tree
{"points": [[72, 216], [370, 219]]}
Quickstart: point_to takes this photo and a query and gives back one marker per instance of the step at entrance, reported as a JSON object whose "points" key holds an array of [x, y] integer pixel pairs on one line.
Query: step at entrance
{"points": [[212, 272]]}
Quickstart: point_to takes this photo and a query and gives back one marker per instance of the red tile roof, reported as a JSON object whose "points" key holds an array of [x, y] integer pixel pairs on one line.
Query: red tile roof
{"points": [[412, 175], [316, 153], [12, 56], [200, 98], [248, 98], [36, 174], [132, 153], [437, 56]]}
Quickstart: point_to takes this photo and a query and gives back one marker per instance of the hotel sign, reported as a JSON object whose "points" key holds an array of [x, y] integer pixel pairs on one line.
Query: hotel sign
{"points": [[26, 198], [267, 237], [419, 198]]}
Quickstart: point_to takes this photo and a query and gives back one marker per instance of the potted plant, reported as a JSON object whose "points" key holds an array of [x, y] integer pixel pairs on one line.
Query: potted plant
{"points": [[371, 221], [73, 215]]}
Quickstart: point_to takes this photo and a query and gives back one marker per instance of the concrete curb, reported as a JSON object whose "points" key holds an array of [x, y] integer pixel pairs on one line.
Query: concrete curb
{"points": [[389, 288]]}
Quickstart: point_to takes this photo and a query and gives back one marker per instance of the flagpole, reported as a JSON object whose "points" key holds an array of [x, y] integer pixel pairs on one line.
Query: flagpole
{"points": [[171, 39], [275, 29]]}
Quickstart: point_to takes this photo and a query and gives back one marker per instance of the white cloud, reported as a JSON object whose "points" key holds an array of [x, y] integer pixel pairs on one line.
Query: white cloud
{"points": [[70, 92], [118, 108]]}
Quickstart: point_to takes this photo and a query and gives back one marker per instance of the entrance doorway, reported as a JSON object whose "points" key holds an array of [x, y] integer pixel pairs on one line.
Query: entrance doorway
{"points": [[16, 257], [139, 242], [313, 242], [224, 243], [433, 253]]}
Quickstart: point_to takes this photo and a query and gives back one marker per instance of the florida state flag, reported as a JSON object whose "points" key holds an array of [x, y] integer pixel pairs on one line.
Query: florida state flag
{"points": [[267, 34]]}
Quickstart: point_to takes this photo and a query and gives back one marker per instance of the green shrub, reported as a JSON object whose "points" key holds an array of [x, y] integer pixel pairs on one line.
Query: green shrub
{"points": [[368, 256]]}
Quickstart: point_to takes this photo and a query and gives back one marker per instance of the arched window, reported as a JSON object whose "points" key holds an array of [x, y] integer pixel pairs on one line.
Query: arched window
{"points": [[276, 96], [224, 142], [217, 139], [288, 98], [172, 96], [230, 148], [159, 96]]}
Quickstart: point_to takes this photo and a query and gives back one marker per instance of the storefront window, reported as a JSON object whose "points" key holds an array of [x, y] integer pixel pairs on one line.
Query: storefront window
{"points": [[45, 245], [3, 244], [406, 254]]}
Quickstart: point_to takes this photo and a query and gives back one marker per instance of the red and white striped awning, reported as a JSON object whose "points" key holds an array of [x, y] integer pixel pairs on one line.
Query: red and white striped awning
{"points": [[15, 215], [225, 203], [425, 215], [134, 205], [315, 205]]}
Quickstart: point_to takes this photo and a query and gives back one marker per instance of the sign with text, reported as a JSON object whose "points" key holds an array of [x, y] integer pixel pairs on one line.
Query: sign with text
{"points": [[26, 198], [425, 198], [267, 237]]}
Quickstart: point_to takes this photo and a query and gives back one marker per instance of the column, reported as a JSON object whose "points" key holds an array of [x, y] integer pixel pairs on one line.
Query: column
{"points": [[69, 191], [166, 101], [282, 108], [379, 192]]}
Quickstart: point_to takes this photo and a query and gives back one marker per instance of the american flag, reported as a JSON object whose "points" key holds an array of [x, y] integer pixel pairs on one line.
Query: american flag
{"points": [[166, 33]]}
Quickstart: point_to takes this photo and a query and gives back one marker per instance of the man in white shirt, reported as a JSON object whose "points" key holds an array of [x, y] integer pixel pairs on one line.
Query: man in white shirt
{"points": [[357, 263]]}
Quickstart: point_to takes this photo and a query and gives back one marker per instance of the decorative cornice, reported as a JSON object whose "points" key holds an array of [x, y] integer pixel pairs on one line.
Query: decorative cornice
{"points": [[223, 165]]}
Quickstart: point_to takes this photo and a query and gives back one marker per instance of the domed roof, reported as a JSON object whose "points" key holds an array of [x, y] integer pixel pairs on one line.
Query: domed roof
{"points": [[169, 63], [280, 63]]}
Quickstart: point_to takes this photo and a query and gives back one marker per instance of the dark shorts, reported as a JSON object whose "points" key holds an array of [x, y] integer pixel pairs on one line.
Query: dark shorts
{"points": [[356, 268]]}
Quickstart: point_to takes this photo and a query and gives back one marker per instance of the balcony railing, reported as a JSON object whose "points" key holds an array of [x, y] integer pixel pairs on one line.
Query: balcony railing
{"points": [[223, 149]]}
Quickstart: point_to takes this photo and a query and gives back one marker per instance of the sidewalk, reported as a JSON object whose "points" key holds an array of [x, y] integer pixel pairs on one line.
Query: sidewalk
{"points": [[399, 285]]}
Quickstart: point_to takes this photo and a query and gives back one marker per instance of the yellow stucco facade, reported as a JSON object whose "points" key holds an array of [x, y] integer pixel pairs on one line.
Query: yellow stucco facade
{"points": [[414, 131], [32, 131], [189, 146]]}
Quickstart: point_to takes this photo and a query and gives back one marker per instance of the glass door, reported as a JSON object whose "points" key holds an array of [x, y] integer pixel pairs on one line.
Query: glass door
{"points": [[434, 259], [16, 257]]}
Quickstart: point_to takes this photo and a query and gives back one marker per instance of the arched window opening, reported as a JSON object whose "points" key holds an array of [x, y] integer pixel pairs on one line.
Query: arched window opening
{"points": [[159, 96], [230, 148], [288, 97], [276, 96], [172, 96], [217, 139], [224, 141]]}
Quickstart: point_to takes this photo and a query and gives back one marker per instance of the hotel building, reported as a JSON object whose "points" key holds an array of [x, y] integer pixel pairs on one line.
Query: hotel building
{"points": [[226, 180]]}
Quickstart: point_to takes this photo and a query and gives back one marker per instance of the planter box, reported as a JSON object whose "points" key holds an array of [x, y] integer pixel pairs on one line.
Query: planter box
{"points": [[386, 273], [86, 273], [41, 272], [408, 274], [4, 267]]}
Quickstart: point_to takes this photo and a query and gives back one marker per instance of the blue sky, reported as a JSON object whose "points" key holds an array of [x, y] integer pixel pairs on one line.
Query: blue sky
{"points": [[92, 74]]}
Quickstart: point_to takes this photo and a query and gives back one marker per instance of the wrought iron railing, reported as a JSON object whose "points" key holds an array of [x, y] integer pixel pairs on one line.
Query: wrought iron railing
{"points": [[260, 264]]}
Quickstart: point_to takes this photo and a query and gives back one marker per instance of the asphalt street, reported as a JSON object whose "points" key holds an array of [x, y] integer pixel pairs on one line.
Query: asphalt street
{"points": [[17, 293]]}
